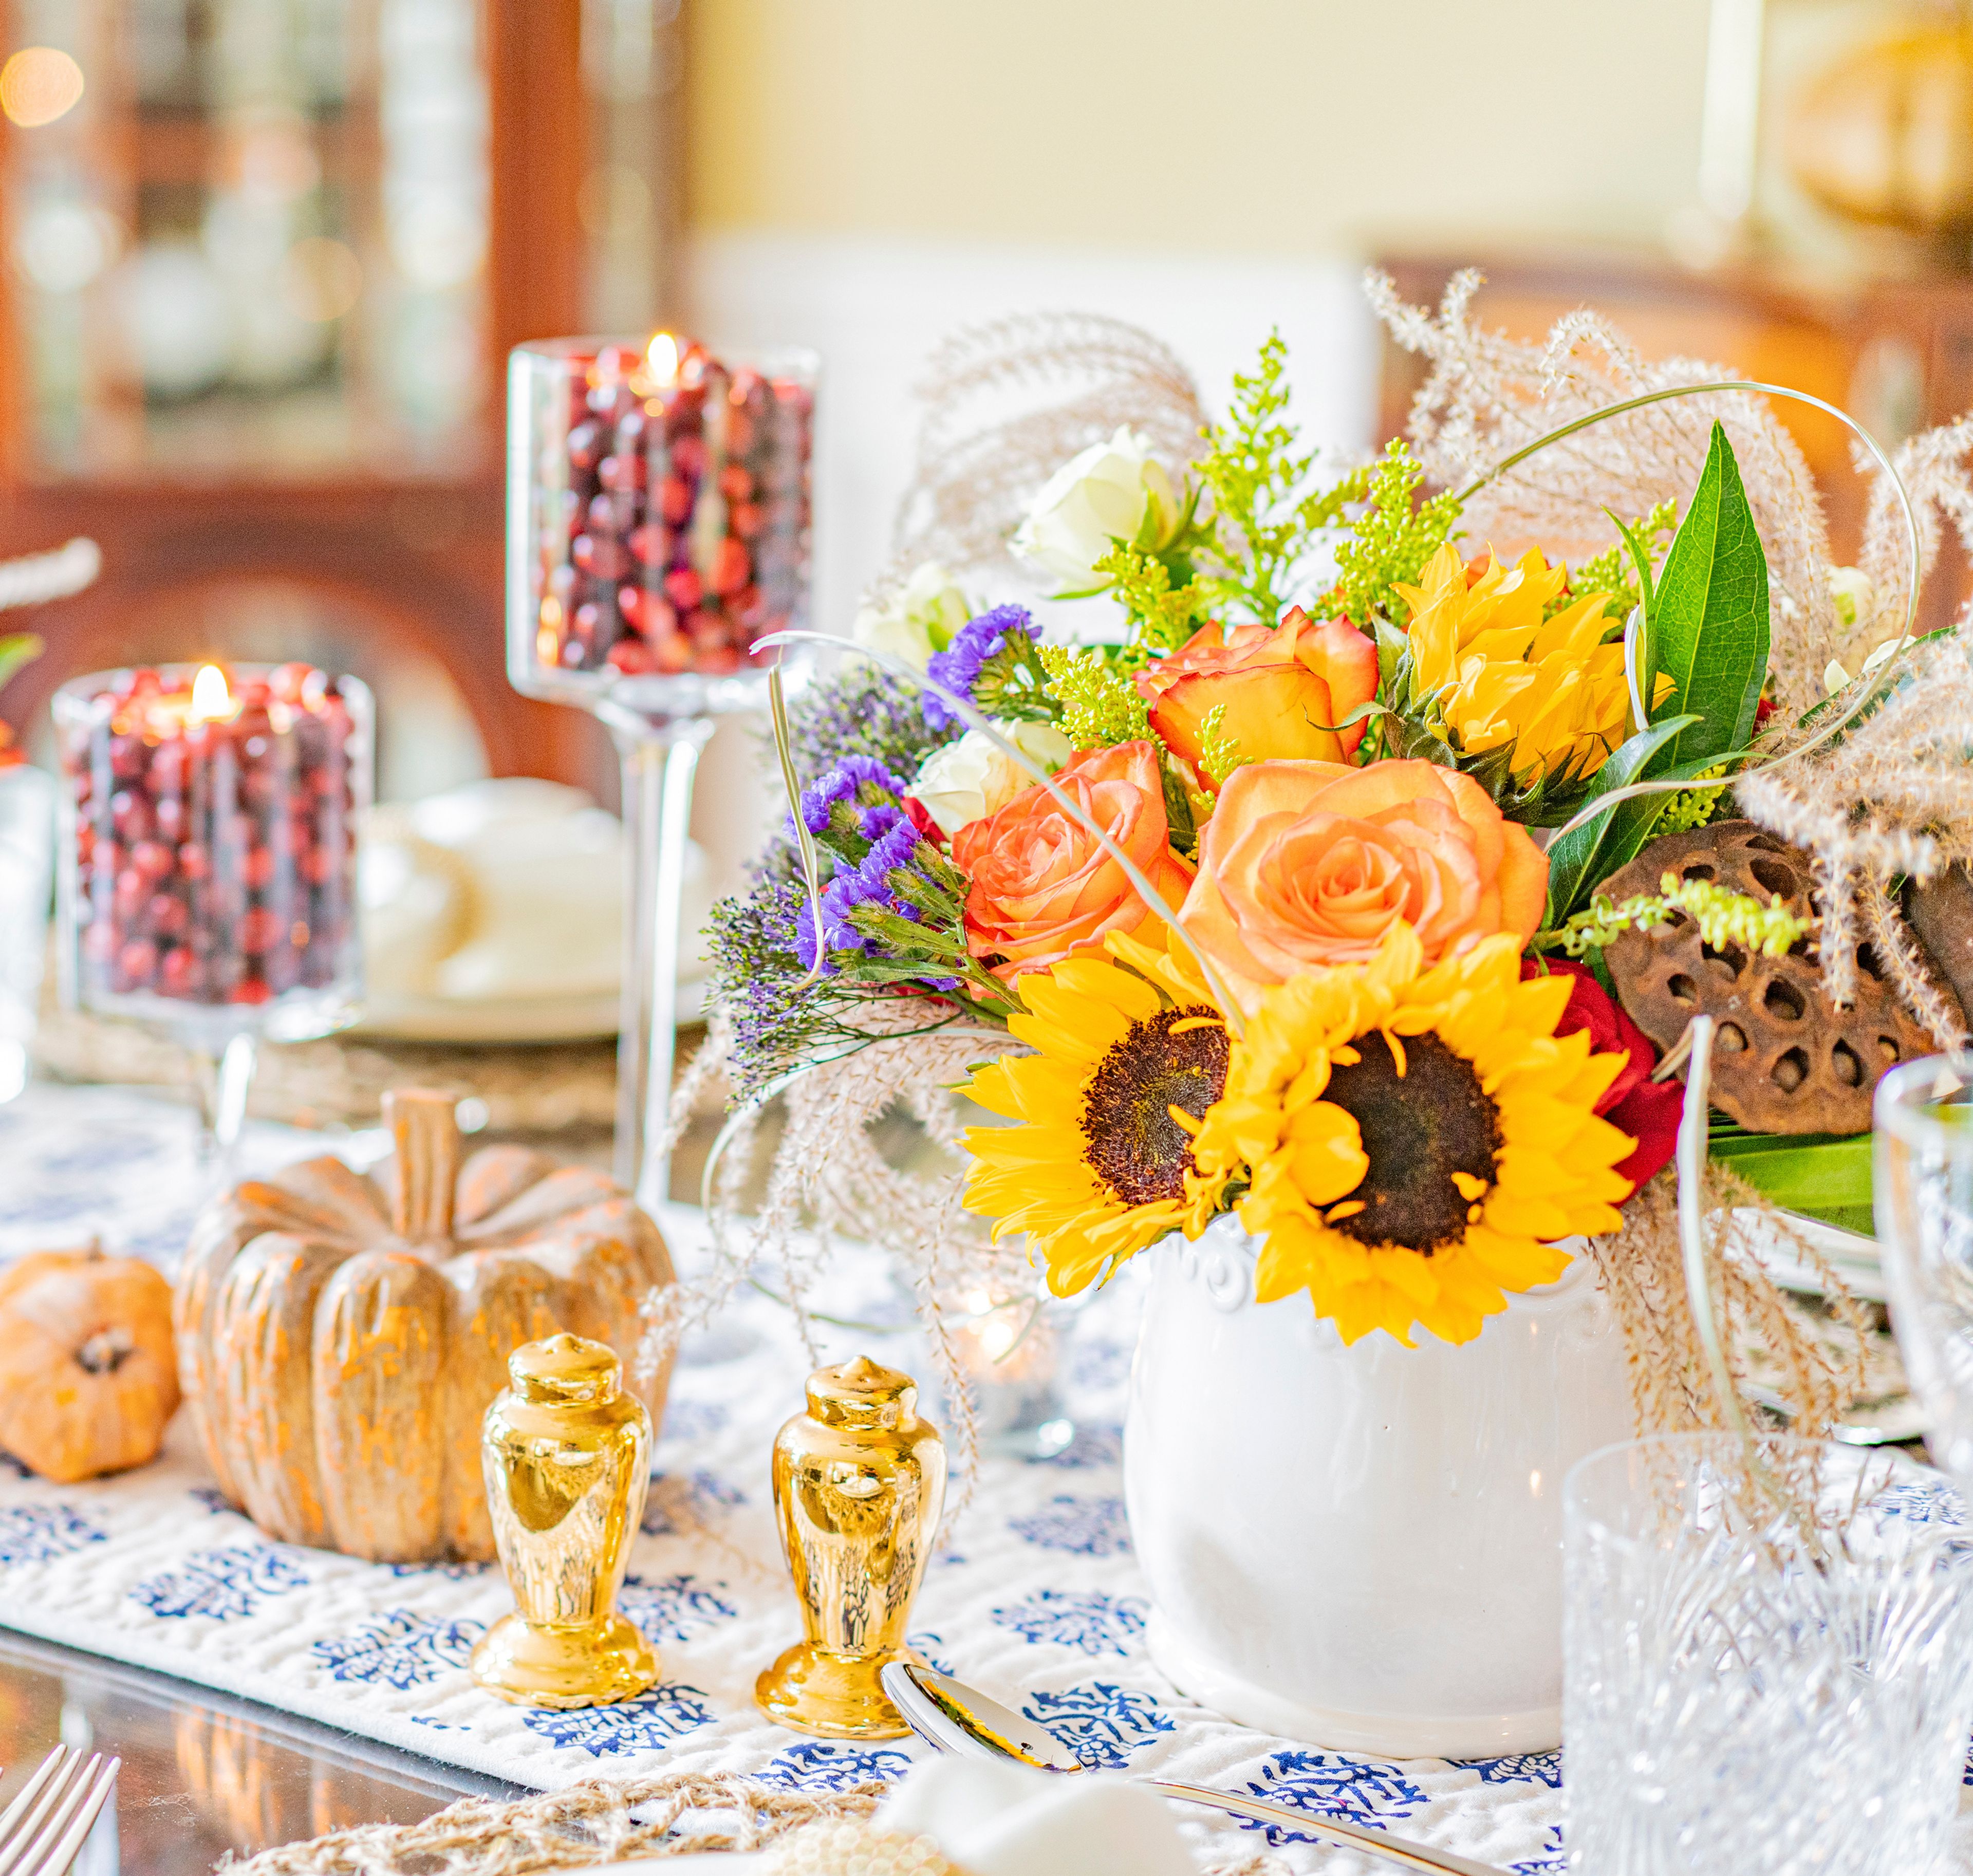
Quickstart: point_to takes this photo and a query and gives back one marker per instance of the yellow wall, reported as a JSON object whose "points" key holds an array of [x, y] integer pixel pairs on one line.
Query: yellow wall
{"points": [[1295, 127]]}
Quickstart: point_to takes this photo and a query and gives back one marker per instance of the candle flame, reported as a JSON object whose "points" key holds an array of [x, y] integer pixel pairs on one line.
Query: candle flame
{"points": [[211, 699], [661, 356]]}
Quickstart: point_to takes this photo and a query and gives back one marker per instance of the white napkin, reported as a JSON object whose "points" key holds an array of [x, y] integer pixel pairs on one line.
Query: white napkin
{"points": [[1007, 1820]]}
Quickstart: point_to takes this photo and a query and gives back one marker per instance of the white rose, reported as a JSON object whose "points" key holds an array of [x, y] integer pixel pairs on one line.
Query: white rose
{"points": [[918, 620], [968, 780], [1855, 597], [1114, 491]]}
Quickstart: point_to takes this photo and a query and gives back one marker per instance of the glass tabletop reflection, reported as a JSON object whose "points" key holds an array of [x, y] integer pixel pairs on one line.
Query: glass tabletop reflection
{"points": [[204, 1773]]}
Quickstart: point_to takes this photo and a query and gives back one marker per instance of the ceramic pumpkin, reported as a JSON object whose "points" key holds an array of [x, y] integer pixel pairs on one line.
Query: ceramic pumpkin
{"points": [[341, 1334], [87, 1377]]}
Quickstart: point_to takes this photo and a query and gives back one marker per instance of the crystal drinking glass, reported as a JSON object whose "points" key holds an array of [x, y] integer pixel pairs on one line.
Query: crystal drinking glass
{"points": [[657, 529], [1924, 1195], [207, 860], [1768, 1659]]}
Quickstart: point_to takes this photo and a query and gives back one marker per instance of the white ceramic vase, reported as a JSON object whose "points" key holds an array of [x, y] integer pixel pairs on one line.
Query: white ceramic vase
{"points": [[1361, 1547]]}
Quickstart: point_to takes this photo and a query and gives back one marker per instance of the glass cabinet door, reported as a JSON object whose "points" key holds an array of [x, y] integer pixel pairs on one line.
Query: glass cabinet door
{"points": [[255, 242]]}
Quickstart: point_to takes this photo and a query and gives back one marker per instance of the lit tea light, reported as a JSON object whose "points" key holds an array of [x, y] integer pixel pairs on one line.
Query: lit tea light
{"points": [[661, 358]]}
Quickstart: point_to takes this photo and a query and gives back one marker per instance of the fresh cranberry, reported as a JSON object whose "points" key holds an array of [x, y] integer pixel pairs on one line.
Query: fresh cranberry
{"points": [[166, 915], [689, 456], [194, 860], [621, 474], [151, 860], [179, 973], [674, 501], [731, 566], [735, 483], [136, 961], [249, 990], [632, 657], [682, 588], [260, 930], [746, 519], [648, 544]]}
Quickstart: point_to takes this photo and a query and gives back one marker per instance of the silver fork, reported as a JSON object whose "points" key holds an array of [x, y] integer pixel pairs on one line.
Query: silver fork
{"points": [[43, 1829]]}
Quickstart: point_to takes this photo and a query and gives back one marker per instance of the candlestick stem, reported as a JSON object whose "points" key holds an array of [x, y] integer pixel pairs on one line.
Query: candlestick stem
{"points": [[659, 757], [222, 1082]]}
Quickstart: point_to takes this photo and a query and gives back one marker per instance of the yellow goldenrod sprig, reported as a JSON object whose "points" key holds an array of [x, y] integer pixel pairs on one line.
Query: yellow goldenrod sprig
{"points": [[1100, 705], [1724, 917], [1219, 753]]}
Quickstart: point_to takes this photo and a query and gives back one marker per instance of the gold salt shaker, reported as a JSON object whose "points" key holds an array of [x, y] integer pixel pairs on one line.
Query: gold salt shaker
{"points": [[567, 1456], [859, 1481]]}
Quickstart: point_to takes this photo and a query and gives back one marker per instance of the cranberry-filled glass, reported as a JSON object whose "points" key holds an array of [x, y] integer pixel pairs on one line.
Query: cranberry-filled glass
{"points": [[207, 859], [657, 529]]}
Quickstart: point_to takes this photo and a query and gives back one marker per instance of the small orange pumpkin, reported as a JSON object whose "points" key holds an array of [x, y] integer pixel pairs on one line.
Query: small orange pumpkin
{"points": [[88, 1377], [340, 1335]]}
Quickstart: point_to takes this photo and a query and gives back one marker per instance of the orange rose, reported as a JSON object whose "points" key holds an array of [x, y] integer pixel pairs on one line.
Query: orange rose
{"points": [[1311, 864], [1283, 686], [1043, 887]]}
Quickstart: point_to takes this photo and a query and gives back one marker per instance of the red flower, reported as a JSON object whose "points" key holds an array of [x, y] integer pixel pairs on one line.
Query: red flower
{"points": [[1648, 1111]]}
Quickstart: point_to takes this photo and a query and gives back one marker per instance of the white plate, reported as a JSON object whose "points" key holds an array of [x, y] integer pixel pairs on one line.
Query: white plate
{"points": [[1852, 1256], [507, 1020]]}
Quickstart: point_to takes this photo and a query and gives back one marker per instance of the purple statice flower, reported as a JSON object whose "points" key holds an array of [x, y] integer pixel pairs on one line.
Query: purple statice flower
{"points": [[843, 783], [959, 665], [869, 884]]}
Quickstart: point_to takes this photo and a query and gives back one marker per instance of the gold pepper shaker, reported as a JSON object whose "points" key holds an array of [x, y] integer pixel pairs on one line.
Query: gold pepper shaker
{"points": [[859, 1481], [567, 1456]]}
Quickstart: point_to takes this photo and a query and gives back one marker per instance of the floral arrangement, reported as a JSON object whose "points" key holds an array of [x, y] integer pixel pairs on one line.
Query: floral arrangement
{"points": [[1280, 891]]}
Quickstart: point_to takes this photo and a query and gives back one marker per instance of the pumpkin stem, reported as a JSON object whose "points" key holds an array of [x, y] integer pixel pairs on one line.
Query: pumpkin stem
{"points": [[425, 1124]]}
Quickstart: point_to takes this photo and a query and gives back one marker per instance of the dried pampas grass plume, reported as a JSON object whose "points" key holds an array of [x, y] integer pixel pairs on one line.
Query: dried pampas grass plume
{"points": [[1488, 395], [1004, 405]]}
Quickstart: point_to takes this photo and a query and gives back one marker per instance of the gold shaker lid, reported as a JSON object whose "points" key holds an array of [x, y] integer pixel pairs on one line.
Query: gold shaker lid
{"points": [[565, 1370], [861, 1394]]}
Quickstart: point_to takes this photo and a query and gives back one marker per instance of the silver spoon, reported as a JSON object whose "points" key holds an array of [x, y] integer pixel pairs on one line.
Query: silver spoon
{"points": [[956, 1718]]}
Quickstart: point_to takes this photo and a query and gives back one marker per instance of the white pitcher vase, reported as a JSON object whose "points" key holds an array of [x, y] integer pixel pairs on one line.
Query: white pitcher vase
{"points": [[1361, 1547]]}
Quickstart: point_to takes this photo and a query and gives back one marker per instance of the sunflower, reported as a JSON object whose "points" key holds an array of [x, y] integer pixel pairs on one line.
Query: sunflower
{"points": [[1551, 693], [1101, 1164], [1414, 1143]]}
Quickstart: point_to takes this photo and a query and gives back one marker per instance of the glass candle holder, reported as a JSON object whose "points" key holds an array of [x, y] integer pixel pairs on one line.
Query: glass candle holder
{"points": [[207, 878], [658, 528], [27, 863]]}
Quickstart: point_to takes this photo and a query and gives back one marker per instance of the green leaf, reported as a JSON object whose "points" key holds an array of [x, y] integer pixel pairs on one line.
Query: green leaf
{"points": [[1580, 862], [1392, 645], [1825, 1176], [1710, 631], [1647, 647], [17, 649]]}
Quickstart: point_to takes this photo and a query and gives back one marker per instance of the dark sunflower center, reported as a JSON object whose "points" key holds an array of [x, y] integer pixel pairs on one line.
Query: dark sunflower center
{"points": [[1419, 1130], [1130, 1139]]}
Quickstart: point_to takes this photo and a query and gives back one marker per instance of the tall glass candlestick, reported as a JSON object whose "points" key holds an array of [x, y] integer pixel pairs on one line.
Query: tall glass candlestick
{"points": [[208, 860], [657, 528]]}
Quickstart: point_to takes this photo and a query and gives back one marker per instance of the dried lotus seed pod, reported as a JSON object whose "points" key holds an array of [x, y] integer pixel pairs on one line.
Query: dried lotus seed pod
{"points": [[1784, 1059]]}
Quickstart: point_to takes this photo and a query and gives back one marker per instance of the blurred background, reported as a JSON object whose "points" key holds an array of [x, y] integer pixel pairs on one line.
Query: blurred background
{"points": [[261, 262]]}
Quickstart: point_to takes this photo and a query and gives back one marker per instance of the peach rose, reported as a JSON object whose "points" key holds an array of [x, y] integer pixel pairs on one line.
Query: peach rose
{"points": [[1283, 686], [1043, 887], [1312, 864]]}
